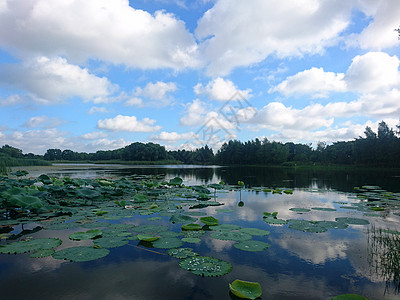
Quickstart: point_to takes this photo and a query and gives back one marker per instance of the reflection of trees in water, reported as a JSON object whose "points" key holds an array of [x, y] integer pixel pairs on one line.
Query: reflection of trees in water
{"points": [[384, 256]]}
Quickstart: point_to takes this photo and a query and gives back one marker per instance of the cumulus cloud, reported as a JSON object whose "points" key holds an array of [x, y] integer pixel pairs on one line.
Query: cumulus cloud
{"points": [[42, 121], [94, 135], [154, 93], [313, 81], [111, 31], [128, 123], [242, 33], [97, 109], [173, 136], [50, 80], [379, 34], [221, 90]]}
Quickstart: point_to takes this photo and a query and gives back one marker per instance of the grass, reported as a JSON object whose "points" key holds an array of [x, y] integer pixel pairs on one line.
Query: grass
{"points": [[6, 162]]}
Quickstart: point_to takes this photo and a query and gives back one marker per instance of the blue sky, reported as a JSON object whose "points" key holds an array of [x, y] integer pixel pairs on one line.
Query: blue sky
{"points": [[91, 75]]}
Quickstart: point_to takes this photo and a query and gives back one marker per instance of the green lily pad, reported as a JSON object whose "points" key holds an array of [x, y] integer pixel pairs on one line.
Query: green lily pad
{"points": [[182, 252], [252, 246], [81, 254], [255, 231], [349, 297], [299, 210], [140, 198], [192, 227], [225, 227], [274, 221], [147, 237], [151, 228], [245, 289], [31, 245], [307, 226], [206, 266], [323, 208], [352, 221], [184, 219], [42, 253], [167, 243], [192, 233], [231, 235], [176, 181], [90, 234], [192, 240], [111, 242], [210, 221]]}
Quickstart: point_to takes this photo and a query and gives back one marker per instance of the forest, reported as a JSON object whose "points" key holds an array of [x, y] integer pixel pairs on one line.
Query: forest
{"points": [[376, 149]]}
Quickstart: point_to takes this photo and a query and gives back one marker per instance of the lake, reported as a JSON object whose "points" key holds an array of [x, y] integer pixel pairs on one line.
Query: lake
{"points": [[335, 232]]}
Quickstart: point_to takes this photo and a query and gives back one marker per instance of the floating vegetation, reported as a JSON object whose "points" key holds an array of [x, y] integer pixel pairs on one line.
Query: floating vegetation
{"points": [[252, 245], [323, 208], [110, 242], [90, 234], [209, 221], [206, 266], [299, 210], [147, 237], [151, 228], [179, 218], [192, 226], [255, 231], [225, 227], [81, 254], [352, 221], [193, 234], [167, 243], [192, 240], [42, 253], [245, 289], [231, 235], [182, 252], [30, 245]]}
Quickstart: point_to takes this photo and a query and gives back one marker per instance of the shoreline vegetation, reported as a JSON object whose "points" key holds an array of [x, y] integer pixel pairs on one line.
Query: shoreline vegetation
{"points": [[375, 150]]}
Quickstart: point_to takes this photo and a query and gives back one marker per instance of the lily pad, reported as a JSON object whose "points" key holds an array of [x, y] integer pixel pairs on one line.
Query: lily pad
{"points": [[231, 235], [178, 218], [349, 297], [206, 266], [31, 245], [255, 231], [147, 237], [151, 228], [210, 221], [225, 227], [299, 210], [90, 234], [81, 254], [245, 289], [168, 243], [274, 221], [182, 252], [140, 198], [42, 253], [192, 240], [176, 181], [323, 208], [252, 246], [111, 242], [352, 221], [192, 227]]}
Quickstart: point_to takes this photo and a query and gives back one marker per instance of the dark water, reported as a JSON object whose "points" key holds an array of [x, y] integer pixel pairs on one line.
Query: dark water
{"points": [[298, 265]]}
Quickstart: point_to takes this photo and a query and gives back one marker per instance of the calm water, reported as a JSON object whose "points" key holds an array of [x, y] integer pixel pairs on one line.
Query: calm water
{"points": [[298, 265]]}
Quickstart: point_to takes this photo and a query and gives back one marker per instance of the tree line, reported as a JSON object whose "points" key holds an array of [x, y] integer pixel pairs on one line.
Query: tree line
{"points": [[374, 149]]}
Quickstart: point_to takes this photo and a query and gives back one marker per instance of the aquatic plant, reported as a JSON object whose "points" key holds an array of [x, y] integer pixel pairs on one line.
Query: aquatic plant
{"points": [[206, 266], [245, 289]]}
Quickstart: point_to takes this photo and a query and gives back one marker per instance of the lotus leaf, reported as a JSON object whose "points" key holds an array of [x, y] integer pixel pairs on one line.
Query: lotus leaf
{"points": [[147, 237], [323, 208], [210, 221], [192, 227], [169, 234], [111, 242], [81, 254], [30, 245], [151, 228], [225, 227], [231, 235], [300, 210], [349, 297], [167, 243], [194, 213], [252, 245], [154, 219], [193, 234], [25, 201], [178, 218], [307, 226], [140, 198], [216, 186], [275, 221], [42, 253], [176, 181], [87, 193], [206, 266], [90, 234], [255, 231], [200, 189], [245, 289], [352, 221], [182, 252], [192, 240]]}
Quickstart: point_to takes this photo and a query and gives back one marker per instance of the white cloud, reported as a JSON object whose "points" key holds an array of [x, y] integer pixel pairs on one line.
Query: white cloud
{"points": [[242, 33], [155, 93], [379, 34], [104, 144], [373, 71], [42, 121], [94, 135], [173, 136], [50, 80], [127, 123], [97, 109], [111, 31], [312, 81], [221, 90]]}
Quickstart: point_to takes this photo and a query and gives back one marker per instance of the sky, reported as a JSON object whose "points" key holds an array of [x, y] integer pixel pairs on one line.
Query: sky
{"points": [[90, 75]]}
